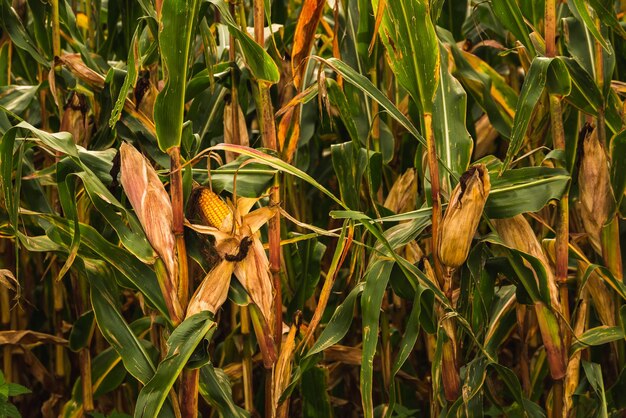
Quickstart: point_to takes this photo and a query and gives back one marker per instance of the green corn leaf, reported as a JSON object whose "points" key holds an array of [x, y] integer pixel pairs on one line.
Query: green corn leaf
{"points": [[177, 22], [550, 72], [104, 298], [261, 65], [376, 280], [412, 47], [453, 142], [580, 10], [509, 14], [180, 346]]}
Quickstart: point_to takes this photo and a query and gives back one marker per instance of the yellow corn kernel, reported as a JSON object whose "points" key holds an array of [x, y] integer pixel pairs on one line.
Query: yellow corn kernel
{"points": [[211, 207]]}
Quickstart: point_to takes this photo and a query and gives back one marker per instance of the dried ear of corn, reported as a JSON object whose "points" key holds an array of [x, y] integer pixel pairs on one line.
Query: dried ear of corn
{"points": [[234, 134], [401, 197], [154, 210], [596, 194], [75, 119], [145, 95], [462, 216], [517, 233]]}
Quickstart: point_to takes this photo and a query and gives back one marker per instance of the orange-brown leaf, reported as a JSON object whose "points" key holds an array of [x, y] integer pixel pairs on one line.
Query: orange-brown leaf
{"points": [[303, 37]]}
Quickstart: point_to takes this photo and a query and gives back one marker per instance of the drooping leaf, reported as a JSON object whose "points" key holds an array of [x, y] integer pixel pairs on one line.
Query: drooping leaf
{"points": [[261, 65], [113, 325], [509, 14], [550, 72]]}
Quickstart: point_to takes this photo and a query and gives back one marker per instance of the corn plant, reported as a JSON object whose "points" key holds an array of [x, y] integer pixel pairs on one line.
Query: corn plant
{"points": [[245, 208]]}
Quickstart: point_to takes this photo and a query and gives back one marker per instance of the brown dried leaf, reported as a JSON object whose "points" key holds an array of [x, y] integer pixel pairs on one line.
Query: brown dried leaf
{"points": [[596, 194], [303, 37], [213, 290], [254, 275], [27, 337]]}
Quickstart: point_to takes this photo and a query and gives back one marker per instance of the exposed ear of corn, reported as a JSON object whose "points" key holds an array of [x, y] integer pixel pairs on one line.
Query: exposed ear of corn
{"points": [[212, 209], [462, 216]]}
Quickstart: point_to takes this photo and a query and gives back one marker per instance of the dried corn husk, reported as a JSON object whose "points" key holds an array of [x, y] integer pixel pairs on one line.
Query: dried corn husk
{"points": [[238, 134], [75, 119], [462, 216], [596, 194], [154, 210], [401, 197], [517, 233]]}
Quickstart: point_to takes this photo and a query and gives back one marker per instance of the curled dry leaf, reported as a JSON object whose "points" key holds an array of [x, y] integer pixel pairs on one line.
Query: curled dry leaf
{"points": [[29, 338], [303, 37]]}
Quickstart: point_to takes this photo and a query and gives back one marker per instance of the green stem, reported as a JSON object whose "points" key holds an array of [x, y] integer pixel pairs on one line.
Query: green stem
{"points": [[611, 252], [248, 394], [56, 29]]}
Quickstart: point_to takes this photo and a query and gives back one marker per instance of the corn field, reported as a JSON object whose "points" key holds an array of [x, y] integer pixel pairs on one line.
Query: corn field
{"points": [[312, 208]]}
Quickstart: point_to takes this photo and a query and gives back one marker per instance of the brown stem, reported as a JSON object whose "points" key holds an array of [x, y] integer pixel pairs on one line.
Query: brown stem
{"points": [[268, 129], [189, 393], [246, 365], [189, 381], [557, 398], [562, 227], [56, 29], [259, 22], [433, 168], [550, 27], [84, 357], [234, 95], [176, 193]]}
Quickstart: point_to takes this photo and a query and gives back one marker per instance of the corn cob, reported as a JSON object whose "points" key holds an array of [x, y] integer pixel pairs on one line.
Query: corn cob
{"points": [[211, 207], [462, 216]]}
